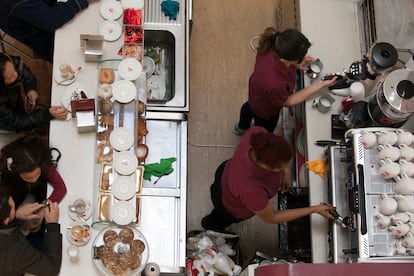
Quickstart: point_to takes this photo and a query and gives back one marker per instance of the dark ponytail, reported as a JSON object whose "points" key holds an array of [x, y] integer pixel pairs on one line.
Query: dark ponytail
{"points": [[290, 44]]}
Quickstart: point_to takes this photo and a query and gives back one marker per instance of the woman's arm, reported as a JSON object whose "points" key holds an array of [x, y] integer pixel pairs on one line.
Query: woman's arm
{"points": [[59, 187], [49, 18], [302, 95], [10, 121], [269, 215]]}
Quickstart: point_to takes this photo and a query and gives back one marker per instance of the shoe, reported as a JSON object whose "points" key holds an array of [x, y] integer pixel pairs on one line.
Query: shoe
{"points": [[238, 131]]}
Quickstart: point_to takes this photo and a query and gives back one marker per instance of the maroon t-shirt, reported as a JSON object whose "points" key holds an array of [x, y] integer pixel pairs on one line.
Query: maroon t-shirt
{"points": [[270, 85], [245, 187]]}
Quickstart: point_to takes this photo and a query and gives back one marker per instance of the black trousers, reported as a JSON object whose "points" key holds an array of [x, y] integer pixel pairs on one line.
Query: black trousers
{"points": [[247, 115], [219, 218]]}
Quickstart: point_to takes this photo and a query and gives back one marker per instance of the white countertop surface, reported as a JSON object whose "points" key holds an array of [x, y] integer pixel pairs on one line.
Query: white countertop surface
{"points": [[331, 27], [78, 151]]}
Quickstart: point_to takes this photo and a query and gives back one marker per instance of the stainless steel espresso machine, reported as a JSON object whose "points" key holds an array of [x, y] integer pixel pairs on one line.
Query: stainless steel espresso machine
{"points": [[388, 86]]}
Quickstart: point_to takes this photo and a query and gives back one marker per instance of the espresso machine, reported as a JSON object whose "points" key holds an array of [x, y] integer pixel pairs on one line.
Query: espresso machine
{"points": [[389, 89]]}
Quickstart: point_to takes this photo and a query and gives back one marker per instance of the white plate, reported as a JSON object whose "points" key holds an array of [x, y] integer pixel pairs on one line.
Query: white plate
{"points": [[135, 4], [72, 92], [60, 80], [129, 69], [125, 163], [111, 10], [82, 241], [85, 215], [110, 30], [148, 66], [122, 212], [121, 139], [124, 91], [123, 187]]}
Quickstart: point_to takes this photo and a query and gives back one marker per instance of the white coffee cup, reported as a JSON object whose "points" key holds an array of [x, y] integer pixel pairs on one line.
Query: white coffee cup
{"points": [[73, 252], [404, 184], [408, 241], [388, 168], [368, 139], [406, 167], [388, 151], [405, 203], [399, 249], [399, 230], [406, 152], [387, 137], [388, 205], [404, 137], [402, 216], [383, 221], [357, 91]]}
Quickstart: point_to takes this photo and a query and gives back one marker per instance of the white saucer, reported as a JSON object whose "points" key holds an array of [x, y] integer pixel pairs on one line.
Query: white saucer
{"points": [[123, 187], [111, 10], [72, 92], [130, 69], [62, 81], [110, 30], [124, 91], [85, 215], [148, 65], [82, 241], [125, 163], [121, 139], [122, 212]]}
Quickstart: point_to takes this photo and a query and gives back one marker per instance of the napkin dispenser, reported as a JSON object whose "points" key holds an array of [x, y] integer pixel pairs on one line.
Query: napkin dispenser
{"points": [[84, 112], [92, 47]]}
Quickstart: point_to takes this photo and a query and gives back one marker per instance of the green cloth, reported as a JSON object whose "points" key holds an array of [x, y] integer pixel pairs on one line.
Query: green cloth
{"points": [[170, 8], [164, 167]]}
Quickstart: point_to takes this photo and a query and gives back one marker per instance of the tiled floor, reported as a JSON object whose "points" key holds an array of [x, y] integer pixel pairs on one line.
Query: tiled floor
{"points": [[221, 60]]}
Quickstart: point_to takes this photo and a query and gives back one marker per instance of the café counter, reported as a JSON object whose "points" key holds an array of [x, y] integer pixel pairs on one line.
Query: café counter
{"points": [[162, 212]]}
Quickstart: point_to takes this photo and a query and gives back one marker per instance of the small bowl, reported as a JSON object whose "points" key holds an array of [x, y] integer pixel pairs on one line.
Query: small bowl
{"points": [[142, 152]]}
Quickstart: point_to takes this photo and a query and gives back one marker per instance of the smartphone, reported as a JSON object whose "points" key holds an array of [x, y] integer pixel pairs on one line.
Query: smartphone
{"points": [[45, 203]]}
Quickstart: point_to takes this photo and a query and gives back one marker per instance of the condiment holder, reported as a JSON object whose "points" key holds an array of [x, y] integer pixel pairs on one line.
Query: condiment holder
{"points": [[92, 46]]}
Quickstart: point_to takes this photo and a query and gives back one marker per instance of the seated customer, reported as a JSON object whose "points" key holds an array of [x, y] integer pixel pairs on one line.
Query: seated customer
{"points": [[18, 98], [26, 168], [34, 22], [17, 256], [243, 185]]}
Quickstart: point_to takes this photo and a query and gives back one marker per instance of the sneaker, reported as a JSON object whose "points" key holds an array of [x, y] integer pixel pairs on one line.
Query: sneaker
{"points": [[238, 131]]}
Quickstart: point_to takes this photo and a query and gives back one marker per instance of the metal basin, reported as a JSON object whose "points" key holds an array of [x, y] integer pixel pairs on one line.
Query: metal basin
{"points": [[171, 38], [160, 46]]}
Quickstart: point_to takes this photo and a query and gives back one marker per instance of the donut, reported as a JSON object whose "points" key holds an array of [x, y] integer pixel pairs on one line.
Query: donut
{"points": [[105, 105], [109, 236], [137, 247], [106, 75], [105, 91], [126, 235], [141, 107]]}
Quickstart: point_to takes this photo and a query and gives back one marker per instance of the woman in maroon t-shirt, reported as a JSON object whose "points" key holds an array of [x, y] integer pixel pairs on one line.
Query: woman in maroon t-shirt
{"points": [[273, 80], [244, 184]]}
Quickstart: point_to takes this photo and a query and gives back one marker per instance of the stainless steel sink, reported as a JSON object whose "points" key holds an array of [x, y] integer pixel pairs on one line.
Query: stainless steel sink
{"points": [[160, 46], [170, 38]]}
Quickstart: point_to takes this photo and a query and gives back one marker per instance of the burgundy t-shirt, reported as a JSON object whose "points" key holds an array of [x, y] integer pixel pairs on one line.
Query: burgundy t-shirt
{"points": [[270, 85], [245, 187]]}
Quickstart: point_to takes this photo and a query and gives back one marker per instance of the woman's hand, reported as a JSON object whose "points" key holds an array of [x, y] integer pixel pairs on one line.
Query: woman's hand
{"points": [[29, 211], [32, 97], [323, 210], [58, 112], [304, 65], [52, 213]]}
